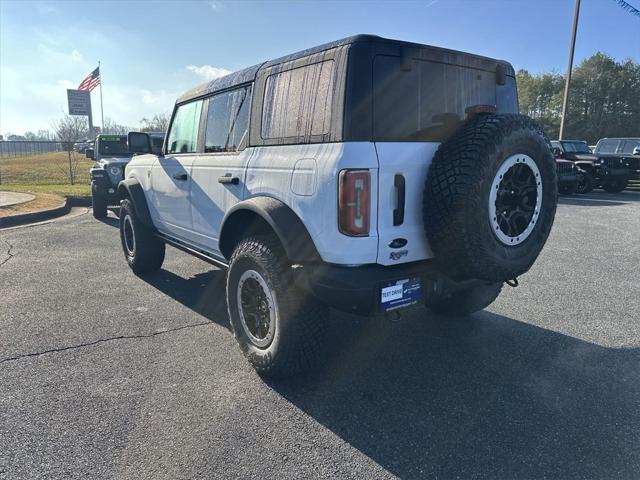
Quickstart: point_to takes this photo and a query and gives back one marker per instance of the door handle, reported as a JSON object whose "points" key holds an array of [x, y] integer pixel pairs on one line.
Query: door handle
{"points": [[398, 213], [228, 179], [180, 176]]}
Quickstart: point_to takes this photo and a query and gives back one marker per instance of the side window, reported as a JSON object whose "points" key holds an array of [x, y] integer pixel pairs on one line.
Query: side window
{"points": [[297, 102], [607, 146], [183, 135], [628, 146], [227, 121]]}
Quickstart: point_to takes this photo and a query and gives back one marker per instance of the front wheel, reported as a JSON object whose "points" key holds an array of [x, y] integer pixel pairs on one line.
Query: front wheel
{"points": [[585, 183], [280, 329], [465, 302], [615, 187], [142, 249], [99, 205]]}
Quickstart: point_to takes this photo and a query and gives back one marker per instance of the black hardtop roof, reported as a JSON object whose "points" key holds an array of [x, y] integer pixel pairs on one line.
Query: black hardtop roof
{"points": [[249, 74]]}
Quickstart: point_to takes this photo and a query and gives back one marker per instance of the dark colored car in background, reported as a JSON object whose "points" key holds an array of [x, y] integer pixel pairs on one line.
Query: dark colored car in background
{"points": [[610, 173], [623, 149], [567, 176]]}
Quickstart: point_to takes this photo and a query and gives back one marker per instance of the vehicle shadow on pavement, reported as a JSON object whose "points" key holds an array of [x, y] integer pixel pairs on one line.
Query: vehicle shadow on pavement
{"points": [[480, 397], [195, 292], [587, 202]]}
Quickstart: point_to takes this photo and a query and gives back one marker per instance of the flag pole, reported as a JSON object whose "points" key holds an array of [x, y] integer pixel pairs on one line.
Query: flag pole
{"points": [[101, 107]]}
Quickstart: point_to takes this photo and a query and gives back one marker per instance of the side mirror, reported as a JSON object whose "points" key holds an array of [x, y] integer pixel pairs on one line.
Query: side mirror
{"points": [[636, 151], [139, 142], [89, 153], [555, 151]]}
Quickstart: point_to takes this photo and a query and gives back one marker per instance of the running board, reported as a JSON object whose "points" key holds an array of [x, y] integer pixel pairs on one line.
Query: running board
{"points": [[202, 255]]}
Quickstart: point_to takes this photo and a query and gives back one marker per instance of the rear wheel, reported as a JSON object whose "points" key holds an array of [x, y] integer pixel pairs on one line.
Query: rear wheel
{"points": [[616, 186], [280, 329], [143, 251], [466, 302]]}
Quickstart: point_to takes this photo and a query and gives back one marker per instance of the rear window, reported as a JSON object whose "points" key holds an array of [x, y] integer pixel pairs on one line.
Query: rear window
{"points": [[428, 101], [607, 146], [297, 103]]}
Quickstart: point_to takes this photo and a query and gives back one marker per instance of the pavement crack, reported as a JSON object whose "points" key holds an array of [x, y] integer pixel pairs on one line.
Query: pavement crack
{"points": [[103, 340], [9, 254]]}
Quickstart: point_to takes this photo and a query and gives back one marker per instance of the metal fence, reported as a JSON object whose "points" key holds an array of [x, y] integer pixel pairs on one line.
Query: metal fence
{"points": [[42, 163], [22, 148]]}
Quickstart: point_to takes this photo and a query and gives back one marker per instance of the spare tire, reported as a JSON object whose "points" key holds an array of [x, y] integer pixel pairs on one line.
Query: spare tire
{"points": [[490, 198]]}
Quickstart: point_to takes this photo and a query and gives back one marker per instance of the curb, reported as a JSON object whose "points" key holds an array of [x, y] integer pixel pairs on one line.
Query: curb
{"points": [[40, 215]]}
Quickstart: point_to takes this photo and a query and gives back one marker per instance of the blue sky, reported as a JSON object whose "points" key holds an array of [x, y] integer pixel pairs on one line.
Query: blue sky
{"points": [[153, 50]]}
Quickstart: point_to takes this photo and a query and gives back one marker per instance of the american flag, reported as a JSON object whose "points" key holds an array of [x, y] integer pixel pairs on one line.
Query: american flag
{"points": [[91, 81]]}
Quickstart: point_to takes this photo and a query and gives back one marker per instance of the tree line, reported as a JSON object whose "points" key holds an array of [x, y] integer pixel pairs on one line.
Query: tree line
{"points": [[71, 128], [604, 99]]}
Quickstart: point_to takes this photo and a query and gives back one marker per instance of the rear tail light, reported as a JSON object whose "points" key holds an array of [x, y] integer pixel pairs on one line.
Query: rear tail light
{"points": [[354, 202]]}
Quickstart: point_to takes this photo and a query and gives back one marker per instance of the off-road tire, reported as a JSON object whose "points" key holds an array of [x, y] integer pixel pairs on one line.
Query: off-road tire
{"points": [[299, 340], [456, 200], [146, 253], [616, 186], [466, 302], [585, 183], [99, 206]]}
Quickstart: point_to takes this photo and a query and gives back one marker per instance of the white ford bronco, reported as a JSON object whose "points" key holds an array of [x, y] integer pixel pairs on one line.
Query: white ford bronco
{"points": [[366, 175]]}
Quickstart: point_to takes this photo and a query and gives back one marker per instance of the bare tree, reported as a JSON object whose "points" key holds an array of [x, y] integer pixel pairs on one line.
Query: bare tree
{"points": [[114, 128], [70, 129], [159, 123]]}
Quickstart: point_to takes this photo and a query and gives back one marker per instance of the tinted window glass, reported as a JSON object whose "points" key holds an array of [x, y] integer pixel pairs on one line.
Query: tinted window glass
{"points": [[297, 103], [183, 136], [577, 147], [607, 146], [427, 102], [629, 145], [227, 120], [113, 145]]}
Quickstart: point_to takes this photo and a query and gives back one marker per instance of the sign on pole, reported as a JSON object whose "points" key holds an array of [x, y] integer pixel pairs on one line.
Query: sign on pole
{"points": [[79, 102]]}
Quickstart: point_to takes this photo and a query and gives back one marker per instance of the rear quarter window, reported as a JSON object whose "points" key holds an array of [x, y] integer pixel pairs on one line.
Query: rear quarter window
{"points": [[297, 102]]}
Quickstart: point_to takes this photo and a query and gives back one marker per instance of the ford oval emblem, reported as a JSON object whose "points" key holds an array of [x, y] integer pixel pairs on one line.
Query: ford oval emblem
{"points": [[397, 243]]}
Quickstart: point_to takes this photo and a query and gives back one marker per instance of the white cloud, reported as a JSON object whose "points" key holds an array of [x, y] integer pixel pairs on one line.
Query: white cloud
{"points": [[215, 6], [76, 56], [209, 72]]}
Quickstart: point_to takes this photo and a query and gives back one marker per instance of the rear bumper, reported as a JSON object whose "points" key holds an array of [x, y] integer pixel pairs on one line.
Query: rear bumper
{"points": [[358, 289]]}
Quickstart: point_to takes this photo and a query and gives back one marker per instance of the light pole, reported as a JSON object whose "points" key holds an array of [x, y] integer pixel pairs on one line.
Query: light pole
{"points": [[565, 99]]}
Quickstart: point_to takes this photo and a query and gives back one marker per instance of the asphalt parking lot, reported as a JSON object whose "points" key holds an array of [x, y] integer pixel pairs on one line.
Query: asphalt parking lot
{"points": [[107, 375]]}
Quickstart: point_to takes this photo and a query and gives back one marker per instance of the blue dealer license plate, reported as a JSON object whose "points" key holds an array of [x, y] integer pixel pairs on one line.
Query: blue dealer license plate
{"points": [[401, 293]]}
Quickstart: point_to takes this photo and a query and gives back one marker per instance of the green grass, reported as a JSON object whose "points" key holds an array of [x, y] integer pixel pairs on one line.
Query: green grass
{"points": [[77, 190], [46, 173]]}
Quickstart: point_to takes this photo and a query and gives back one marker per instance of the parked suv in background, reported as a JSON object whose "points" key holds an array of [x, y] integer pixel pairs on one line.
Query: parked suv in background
{"points": [[625, 150], [111, 153], [611, 174], [366, 174], [568, 176]]}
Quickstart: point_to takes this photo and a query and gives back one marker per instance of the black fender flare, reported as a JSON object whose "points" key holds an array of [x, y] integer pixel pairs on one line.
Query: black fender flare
{"points": [[286, 224], [131, 187]]}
